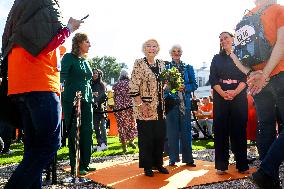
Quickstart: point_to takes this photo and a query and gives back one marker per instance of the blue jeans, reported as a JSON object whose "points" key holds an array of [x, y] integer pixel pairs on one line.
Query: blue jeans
{"points": [[265, 102], [179, 136], [275, 154], [100, 128], [41, 114]]}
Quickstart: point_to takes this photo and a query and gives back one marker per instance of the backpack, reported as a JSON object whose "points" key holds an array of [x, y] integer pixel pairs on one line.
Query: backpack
{"points": [[251, 45]]}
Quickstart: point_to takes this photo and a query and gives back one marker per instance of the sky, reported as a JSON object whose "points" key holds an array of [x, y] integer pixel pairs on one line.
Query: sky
{"points": [[118, 28]]}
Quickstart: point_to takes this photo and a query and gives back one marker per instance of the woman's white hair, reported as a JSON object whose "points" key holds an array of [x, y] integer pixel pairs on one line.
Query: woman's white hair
{"points": [[123, 74], [176, 46], [150, 40]]}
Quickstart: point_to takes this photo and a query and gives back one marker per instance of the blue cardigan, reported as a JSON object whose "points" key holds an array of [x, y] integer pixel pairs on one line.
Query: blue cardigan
{"points": [[190, 83]]}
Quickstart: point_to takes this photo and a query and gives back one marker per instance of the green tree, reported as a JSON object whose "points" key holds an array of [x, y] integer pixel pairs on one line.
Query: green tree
{"points": [[110, 67]]}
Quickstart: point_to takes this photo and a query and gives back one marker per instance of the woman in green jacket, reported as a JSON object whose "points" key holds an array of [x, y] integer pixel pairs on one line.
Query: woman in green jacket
{"points": [[76, 75]]}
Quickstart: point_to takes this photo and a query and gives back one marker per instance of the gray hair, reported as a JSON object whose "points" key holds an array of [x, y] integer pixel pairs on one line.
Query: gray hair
{"points": [[123, 74], [177, 46]]}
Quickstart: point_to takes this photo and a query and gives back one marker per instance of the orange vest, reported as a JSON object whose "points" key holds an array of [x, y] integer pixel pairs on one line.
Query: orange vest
{"points": [[27, 73]]}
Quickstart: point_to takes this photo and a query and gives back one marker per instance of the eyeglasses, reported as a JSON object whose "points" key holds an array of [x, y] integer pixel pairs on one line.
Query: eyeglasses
{"points": [[176, 51], [151, 46]]}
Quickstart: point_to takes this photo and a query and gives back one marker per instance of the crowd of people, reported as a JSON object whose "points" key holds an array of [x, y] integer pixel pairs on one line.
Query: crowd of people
{"points": [[146, 104]]}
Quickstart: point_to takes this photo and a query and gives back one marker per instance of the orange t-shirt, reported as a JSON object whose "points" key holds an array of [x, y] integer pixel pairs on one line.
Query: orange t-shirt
{"points": [[272, 19], [207, 108], [27, 73]]}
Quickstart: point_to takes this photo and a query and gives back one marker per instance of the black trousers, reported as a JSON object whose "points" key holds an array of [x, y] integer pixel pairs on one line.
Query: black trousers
{"points": [[230, 121], [151, 137]]}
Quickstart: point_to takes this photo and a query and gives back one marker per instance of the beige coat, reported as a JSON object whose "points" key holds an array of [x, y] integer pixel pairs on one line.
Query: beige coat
{"points": [[143, 83]]}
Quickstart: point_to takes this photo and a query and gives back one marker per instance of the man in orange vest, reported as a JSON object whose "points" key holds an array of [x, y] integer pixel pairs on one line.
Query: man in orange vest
{"points": [[30, 42]]}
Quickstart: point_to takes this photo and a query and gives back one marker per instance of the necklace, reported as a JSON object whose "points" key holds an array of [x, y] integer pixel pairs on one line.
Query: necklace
{"points": [[157, 72], [152, 64], [153, 67]]}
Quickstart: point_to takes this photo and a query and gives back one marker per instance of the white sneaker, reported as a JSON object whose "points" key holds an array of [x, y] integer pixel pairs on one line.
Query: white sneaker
{"points": [[94, 148], [99, 149], [9, 152], [103, 146]]}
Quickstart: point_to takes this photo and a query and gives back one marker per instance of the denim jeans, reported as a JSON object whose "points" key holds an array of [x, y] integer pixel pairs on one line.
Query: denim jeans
{"points": [[179, 136], [265, 103], [41, 114], [100, 128], [275, 154]]}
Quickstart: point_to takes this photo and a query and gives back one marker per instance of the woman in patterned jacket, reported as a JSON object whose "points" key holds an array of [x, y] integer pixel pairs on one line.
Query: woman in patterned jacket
{"points": [[146, 88]]}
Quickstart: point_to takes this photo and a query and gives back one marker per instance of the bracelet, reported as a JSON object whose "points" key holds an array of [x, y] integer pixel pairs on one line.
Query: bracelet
{"points": [[140, 104], [249, 72]]}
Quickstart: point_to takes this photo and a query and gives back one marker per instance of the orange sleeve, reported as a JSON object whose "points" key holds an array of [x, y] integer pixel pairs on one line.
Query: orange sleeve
{"points": [[280, 17]]}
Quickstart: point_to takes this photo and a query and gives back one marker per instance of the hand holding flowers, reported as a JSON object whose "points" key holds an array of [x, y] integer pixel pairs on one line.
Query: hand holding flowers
{"points": [[173, 79]]}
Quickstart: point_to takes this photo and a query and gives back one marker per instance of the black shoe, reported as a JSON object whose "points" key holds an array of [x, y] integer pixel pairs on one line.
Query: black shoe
{"points": [[148, 172], [132, 145], [190, 164], [244, 171], [90, 169], [264, 181], [163, 170], [72, 172], [251, 160]]}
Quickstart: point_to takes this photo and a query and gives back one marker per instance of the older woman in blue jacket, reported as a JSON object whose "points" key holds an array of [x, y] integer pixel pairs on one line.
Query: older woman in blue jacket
{"points": [[178, 118]]}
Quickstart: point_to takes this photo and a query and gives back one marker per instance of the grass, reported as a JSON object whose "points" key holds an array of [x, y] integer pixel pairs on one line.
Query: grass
{"points": [[114, 148]]}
